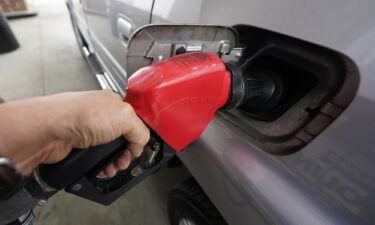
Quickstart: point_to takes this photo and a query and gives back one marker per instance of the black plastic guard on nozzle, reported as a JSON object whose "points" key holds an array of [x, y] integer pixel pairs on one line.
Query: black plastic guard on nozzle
{"points": [[107, 190], [77, 173], [80, 162]]}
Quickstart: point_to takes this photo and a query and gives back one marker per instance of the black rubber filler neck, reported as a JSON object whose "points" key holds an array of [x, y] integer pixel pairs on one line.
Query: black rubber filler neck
{"points": [[261, 89]]}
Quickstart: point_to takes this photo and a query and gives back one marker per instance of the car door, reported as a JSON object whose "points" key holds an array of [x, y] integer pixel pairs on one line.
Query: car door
{"points": [[79, 16], [111, 23]]}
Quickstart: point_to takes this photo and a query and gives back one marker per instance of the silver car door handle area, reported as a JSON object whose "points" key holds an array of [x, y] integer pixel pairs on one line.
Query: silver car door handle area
{"points": [[125, 28]]}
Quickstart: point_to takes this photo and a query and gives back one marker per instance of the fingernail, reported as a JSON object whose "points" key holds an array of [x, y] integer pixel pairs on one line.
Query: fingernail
{"points": [[134, 154], [101, 175], [139, 152], [113, 174]]}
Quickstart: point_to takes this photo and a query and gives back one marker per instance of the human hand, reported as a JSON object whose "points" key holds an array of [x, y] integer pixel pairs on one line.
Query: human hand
{"points": [[45, 129]]}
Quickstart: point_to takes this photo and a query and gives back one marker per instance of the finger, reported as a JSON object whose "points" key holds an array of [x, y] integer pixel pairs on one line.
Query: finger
{"points": [[136, 133], [110, 171], [122, 162], [101, 174], [137, 139], [26, 166]]}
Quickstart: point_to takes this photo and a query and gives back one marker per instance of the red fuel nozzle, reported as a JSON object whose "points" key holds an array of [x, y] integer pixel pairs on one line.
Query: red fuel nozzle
{"points": [[179, 96]]}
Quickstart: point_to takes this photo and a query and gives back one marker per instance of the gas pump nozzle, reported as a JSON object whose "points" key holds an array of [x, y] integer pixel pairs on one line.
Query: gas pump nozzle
{"points": [[176, 98]]}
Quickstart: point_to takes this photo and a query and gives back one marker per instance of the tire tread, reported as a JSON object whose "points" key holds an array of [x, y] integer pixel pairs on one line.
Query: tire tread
{"points": [[191, 190]]}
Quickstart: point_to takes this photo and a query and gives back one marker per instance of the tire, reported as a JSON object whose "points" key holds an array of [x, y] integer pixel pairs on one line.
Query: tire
{"points": [[189, 205]]}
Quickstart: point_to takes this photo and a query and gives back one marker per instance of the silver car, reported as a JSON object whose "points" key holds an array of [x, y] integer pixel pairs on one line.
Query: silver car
{"points": [[307, 158]]}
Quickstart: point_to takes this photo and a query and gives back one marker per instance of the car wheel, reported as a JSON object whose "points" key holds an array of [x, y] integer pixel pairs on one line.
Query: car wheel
{"points": [[189, 205]]}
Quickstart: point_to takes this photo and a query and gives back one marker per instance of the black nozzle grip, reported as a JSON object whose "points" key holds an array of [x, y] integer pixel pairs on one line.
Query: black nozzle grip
{"points": [[80, 162]]}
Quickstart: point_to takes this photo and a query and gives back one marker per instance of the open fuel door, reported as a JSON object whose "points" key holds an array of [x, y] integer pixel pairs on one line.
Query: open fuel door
{"points": [[154, 43]]}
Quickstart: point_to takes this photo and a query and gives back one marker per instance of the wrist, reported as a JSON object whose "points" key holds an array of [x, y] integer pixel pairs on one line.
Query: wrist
{"points": [[27, 125]]}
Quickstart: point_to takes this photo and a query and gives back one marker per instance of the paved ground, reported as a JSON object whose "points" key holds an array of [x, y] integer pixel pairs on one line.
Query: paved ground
{"points": [[48, 62]]}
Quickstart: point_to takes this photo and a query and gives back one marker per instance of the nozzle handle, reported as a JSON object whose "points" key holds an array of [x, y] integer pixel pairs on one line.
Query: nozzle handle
{"points": [[77, 173], [80, 162]]}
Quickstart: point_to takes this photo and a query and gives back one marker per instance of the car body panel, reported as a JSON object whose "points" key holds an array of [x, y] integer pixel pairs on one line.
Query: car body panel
{"points": [[79, 16], [329, 181], [103, 18]]}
